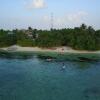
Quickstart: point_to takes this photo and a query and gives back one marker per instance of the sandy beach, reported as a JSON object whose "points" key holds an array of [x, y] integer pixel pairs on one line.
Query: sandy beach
{"points": [[17, 48]]}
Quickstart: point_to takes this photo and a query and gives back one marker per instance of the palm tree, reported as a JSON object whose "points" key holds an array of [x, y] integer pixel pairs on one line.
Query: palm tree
{"points": [[83, 27]]}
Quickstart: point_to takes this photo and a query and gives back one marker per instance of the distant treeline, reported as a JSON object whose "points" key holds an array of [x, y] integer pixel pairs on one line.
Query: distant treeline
{"points": [[80, 38]]}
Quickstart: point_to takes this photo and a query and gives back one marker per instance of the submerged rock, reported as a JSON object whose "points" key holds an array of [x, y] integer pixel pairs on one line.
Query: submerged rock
{"points": [[82, 59], [92, 92]]}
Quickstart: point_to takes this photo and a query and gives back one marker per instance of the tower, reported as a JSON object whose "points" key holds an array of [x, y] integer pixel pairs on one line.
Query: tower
{"points": [[52, 21]]}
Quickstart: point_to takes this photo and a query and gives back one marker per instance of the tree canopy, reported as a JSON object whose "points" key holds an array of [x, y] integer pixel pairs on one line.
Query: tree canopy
{"points": [[80, 38]]}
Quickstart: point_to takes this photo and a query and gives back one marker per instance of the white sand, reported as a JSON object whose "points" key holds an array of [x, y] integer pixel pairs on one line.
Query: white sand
{"points": [[16, 48]]}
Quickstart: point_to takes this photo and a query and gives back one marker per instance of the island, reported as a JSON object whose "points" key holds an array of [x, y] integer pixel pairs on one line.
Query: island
{"points": [[84, 39]]}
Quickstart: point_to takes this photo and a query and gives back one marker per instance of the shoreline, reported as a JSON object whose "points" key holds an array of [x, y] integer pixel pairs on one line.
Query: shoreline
{"points": [[61, 50]]}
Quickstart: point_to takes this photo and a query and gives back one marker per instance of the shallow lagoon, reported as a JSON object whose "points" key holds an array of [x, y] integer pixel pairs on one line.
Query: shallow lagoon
{"points": [[36, 79]]}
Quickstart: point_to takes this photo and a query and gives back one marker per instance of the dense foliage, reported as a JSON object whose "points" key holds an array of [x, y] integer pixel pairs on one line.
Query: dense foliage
{"points": [[81, 38]]}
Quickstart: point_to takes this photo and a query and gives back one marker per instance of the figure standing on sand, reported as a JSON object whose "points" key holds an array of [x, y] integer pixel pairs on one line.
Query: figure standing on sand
{"points": [[62, 51]]}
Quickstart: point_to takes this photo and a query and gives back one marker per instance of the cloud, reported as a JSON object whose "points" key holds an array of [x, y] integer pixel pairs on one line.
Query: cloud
{"points": [[46, 18], [67, 20], [37, 4], [76, 17], [71, 19]]}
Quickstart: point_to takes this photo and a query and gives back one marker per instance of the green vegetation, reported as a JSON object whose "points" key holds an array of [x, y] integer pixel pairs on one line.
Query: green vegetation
{"points": [[80, 38]]}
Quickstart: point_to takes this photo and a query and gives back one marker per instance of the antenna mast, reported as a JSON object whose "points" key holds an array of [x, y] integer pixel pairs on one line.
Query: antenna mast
{"points": [[52, 21]]}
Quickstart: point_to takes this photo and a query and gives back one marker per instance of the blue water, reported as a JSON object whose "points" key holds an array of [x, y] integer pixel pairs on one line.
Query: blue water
{"points": [[36, 79]]}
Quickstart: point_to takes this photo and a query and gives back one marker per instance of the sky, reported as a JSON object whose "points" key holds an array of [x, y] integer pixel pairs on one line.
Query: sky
{"points": [[37, 13]]}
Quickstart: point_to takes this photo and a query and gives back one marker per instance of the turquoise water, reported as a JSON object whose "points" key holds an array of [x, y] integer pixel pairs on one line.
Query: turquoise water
{"points": [[37, 79]]}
